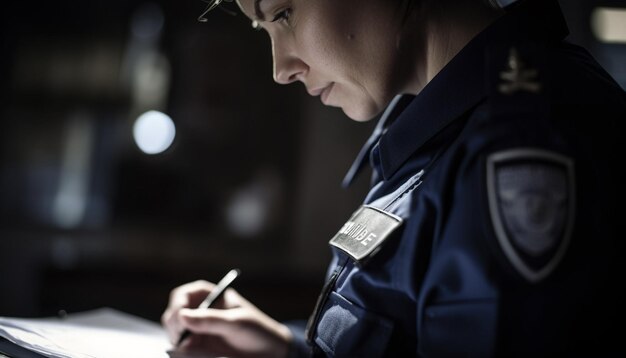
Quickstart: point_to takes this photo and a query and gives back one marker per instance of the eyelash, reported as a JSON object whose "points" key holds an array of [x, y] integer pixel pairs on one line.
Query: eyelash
{"points": [[283, 16]]}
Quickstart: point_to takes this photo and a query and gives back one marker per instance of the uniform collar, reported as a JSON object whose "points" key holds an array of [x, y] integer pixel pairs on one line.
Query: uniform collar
{"points": [[461, 84], [397, 105]]}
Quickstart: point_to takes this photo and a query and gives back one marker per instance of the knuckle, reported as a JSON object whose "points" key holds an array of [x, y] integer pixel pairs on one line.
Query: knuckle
{"points": [[174, 293], [235, 317]]}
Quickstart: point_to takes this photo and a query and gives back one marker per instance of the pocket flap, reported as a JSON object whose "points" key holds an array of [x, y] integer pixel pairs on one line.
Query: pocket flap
{"points": [[346, 329]]}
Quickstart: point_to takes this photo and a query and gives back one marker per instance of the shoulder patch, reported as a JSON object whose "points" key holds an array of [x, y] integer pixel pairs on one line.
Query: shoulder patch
{"points": [[363, 235], [531, 204]]}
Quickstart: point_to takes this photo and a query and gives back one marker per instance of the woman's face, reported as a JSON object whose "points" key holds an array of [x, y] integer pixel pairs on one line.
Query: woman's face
{"points": [[342, 50]]}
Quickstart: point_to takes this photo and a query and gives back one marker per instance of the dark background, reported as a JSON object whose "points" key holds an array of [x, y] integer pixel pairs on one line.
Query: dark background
{"points": [[252, 179]]}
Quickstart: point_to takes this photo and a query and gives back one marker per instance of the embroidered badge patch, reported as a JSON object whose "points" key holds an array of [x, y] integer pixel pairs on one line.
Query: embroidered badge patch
{"points": [[531, 203], [362, 236]]}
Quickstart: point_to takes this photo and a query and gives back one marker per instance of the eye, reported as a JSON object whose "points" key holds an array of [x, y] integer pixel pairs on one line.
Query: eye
{"points": [[283, 16]]}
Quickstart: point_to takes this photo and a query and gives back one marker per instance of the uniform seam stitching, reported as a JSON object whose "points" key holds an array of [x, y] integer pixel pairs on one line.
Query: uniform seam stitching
{"points": [[403, 194]]}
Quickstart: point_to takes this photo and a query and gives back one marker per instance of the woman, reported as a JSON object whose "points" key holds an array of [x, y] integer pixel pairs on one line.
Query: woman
{"points": [[489, 229]]}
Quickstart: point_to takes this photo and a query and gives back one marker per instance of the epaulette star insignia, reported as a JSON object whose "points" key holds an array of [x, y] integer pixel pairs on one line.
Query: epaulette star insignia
{"points": [[517, 77]]}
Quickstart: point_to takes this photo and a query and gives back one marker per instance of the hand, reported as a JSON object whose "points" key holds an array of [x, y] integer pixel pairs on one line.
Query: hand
{"points": [[233, 328]]}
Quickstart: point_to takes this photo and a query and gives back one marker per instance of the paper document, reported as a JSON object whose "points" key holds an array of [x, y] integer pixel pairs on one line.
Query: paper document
{"points": [[101, 333]]}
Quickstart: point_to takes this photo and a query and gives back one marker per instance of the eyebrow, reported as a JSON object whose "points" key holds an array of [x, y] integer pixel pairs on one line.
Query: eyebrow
{"points": [[257, 10]]}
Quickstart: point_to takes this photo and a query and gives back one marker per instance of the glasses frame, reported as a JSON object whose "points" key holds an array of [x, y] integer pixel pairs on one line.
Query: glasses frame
{"points": [[212, 4]]}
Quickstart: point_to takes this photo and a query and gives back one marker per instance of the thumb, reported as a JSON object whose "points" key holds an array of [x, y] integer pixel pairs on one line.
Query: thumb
{"points": [[208, 321]]}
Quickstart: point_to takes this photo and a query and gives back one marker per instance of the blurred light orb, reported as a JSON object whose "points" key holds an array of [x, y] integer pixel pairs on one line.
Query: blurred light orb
{"points": [[154, 132], [247, 212]]}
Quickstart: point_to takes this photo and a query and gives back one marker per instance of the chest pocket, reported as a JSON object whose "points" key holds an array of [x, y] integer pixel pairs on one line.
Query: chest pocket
{"points": [[338, 326], [346, 330]]}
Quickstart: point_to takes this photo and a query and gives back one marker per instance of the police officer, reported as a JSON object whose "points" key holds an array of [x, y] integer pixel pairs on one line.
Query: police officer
{"points": [[490, 227]]}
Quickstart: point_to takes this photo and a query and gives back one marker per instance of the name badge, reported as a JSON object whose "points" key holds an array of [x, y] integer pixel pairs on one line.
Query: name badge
{"points": [[363, 235]]}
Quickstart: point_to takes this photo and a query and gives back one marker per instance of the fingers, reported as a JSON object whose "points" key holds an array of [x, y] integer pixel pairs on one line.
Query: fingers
{"points": [[209, 321], [187, 295], [190, 294], [233, 328], [205, 346], [219, 321]]}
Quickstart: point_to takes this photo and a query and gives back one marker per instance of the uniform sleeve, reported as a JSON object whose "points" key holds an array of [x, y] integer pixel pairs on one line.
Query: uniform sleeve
{"points": [[557, 248], [524, 263]]}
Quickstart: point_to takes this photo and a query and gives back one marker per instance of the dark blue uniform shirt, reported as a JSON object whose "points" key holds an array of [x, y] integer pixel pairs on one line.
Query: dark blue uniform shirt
{"points": [[502, 176]]}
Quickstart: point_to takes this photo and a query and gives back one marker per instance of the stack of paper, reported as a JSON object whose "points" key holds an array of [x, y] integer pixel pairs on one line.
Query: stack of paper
{"points": [[102, 333]]}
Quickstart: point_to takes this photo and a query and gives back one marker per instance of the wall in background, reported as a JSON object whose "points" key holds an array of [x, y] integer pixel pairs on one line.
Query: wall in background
{"points": [[251, 179]]}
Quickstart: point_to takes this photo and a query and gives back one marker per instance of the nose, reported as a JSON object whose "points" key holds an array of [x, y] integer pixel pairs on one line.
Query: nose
{"points": [[288, 67]]}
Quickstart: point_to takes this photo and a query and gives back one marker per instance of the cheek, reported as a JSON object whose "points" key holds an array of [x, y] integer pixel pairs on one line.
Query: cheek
{"points": [[323, 49], [329, 38]]}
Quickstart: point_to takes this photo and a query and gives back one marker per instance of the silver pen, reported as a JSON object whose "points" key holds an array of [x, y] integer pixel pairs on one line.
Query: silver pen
{"points": [[216, 293]]}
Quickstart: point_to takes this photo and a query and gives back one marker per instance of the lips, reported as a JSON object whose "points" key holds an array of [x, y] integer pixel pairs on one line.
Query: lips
{"points": [[322, 91], [316, 92]]}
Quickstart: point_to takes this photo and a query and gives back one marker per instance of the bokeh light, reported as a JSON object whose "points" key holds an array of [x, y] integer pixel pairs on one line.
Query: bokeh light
{"points": [[154, 132]]}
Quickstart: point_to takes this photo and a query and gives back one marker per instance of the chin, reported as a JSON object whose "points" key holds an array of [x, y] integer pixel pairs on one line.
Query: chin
{"points": [[362, 113]]}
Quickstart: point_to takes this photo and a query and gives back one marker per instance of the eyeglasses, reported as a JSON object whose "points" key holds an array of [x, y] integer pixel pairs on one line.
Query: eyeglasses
{"points": [[212, 4]]}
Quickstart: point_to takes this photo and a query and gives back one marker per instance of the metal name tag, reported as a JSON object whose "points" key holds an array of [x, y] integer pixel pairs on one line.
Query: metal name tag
{"points": [[362, 236]]}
